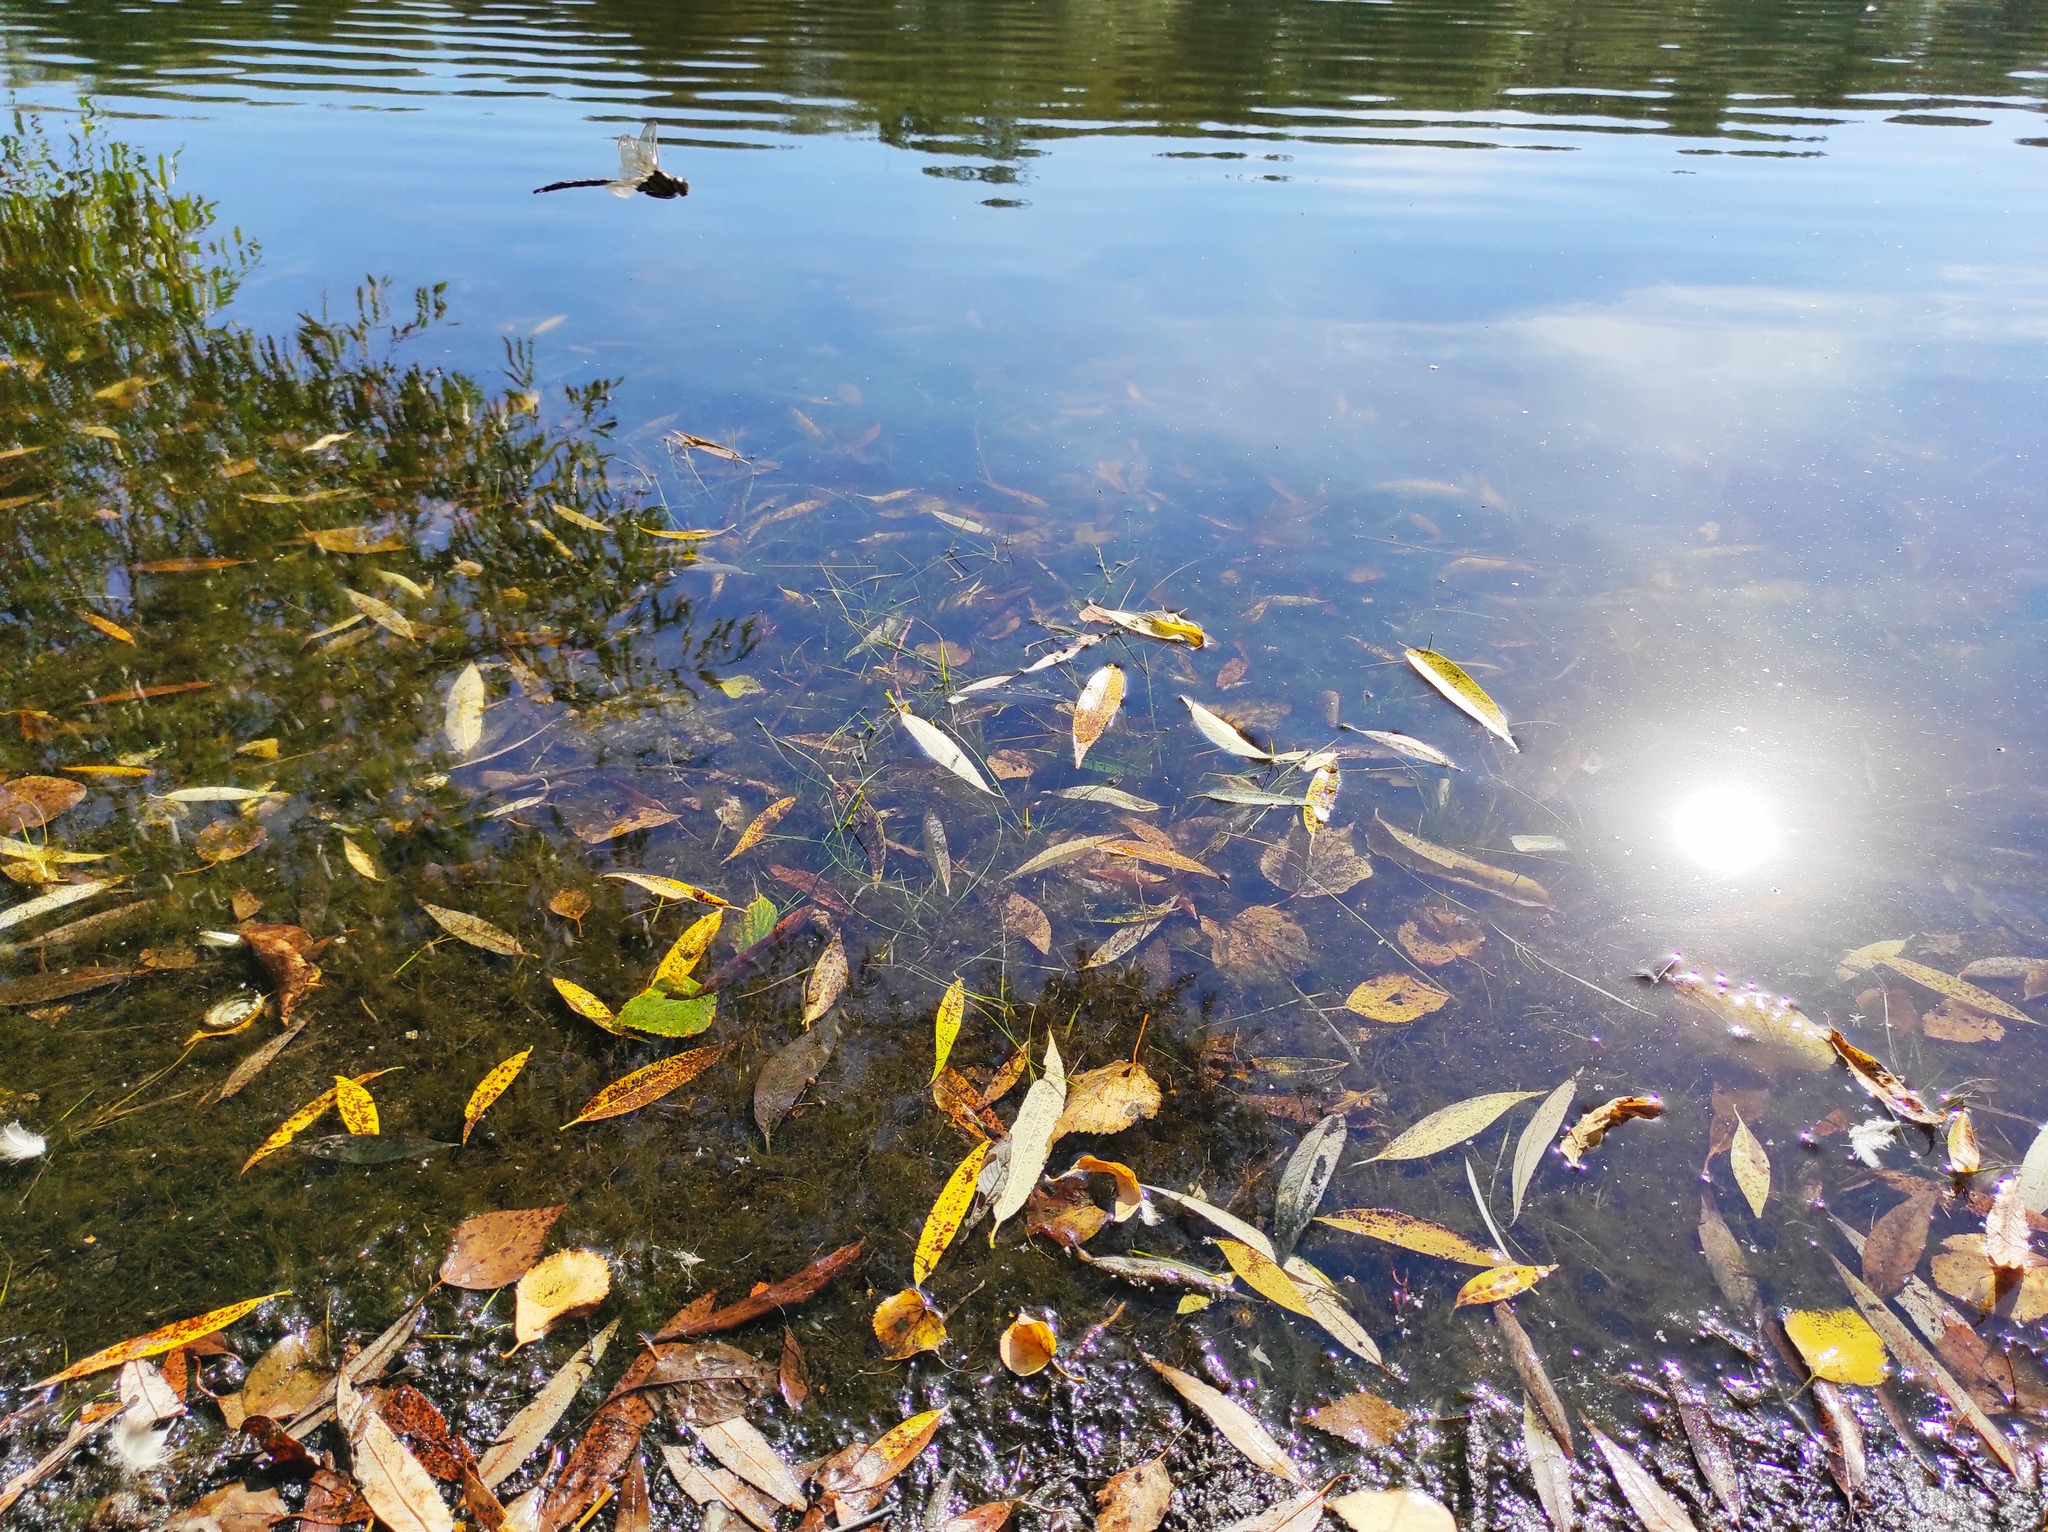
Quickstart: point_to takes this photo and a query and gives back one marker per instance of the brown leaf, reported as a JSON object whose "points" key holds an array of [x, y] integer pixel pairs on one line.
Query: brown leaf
{"points": [[1894, 1094], [1064, 1213], [965, 1105], [570, 903], [1364, 1419], [1954, 1022], [1892, 1250], [1025, 920], [812, 887], [1261, 942], [417, 1418], [227, 839], [1312, 865], [789, 1070], [1437, 936], [1588, 1132], [1107, 1100], [616, 810], [493, 1250], [27, 803], [1135, 1500], [797, 1288], [789, 1372], [286, 953], [233, 1508]]}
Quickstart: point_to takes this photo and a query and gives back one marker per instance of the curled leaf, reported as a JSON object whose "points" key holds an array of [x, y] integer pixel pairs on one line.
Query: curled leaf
{"points": [[906, 1323], [567, 1283], [1028, 1346], [1892, 1093], [1169, 627], [1590, 1129]]}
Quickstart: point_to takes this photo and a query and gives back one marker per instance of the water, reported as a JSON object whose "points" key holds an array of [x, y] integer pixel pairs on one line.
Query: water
{"points": [[1681, 374]]}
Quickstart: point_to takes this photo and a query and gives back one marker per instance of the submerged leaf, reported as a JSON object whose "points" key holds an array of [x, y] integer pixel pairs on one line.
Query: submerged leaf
{"points": [[1434, 861], [383, 614], [1536, 1139], [940, 748], [476, 931], [1894, 1094], [827, 981], [946, 1025], [567, 1283], [1412, 1233], [789, 1070], [1237, 1424], [757, 832], [1396, 998], [1959, 990], [1752, 1167], [463, 715], [1461, 691], [1303, 1182], [1022, 918]]}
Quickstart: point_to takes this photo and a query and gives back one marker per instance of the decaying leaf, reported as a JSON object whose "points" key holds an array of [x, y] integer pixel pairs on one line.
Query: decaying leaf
{"points": [[1238, 1426], [1135, 1500], [383, 614], [1450, 1126], [1654, 1505], [1951, 988], [1394, 998], [1751, 1165], [643, 1086], [947, 1214], [493, 1250], [1965, 1155], [301, 1120], [1501, 1283], [1107, 1100], [1363, 1419], [1412, 1233], [1392, 1510], [1437, 936], [1307, 1176], [1314, 866], [475, 931], [2006, 1245], [398, 1489], [353, 1101], [1168, 627], [743, 1450], [1549, 1466], [1886, 1088], [789, 1070], [567, 1283], [946, 1024], [940, 748], [1892, 1249], [1537, 1137], [1320, 801], [1261, 942], [1952, 1022], [1588, 1132], [1027, 1346], [463, 714], [670, 888], [490, 1088], [906, 1323], [1032, 1133], [166, 1338], [758, 831], [1461, 691], [1097, 707], [827, 981], [1023, 919], [1434, 861], [28, 803], [226, 840], [1838, 1345]]}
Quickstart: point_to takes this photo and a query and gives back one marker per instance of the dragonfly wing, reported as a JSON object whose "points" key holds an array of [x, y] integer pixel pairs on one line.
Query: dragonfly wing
{"points": [[639, 157], [622, 188]]}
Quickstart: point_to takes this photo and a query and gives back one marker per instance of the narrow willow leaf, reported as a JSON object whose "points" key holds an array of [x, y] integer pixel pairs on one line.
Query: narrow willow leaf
{"points": [[1501, 1284], [1097, 707], [936, 852], [1461, 691], [490, 1088], [1229, 1223], [1411, 1233], [1239, 1427], [301, 1120], [1434, 861], [56, 899], [939, 747], [383, 614], [1031, 1134], [946, 1028], [1410, 748], [476, 931], [669, 888], [827, 981], [358, 1110], [686, 952], [1537, 1138], [1654, 1505], [525, 1431], [1304, 1181], [1949, 987], [643, 1086], [943, 1222], [1452, 1125], [1115, 797], [757, 832], [2034, 1174], [113, 630], [1169, 627], [1264, 1276], [1327, 1308], [463, 716], [1752, 1169], [157, 1342], [586, 1005], [1065, 851], [1224, 736], [1550, 1468]]}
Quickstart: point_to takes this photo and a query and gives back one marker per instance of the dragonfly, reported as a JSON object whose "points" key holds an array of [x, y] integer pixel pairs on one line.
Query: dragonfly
{"points": [[639, 170]]}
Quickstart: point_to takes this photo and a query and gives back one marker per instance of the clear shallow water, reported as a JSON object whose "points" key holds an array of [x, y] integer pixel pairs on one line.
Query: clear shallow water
{"points": [[1738, 384]]}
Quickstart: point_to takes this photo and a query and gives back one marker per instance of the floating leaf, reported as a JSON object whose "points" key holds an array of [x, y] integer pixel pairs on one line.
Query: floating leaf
{"points": [[525, 1431], [2033, 1177], [383, 614], [463, 716], [1393, 1510], [1959, 990], [757, 832], [1303, 1182], [1838, 1345], [944, 1220], [1434, 861], [1411, 1233], [493, 1250], [1364, 1420], [167, 1338], [827, 981], [673, 972], [476, 931], [1135, 1500], [567, 1283], [1589, 1130], [490, 1088], [1549, 1465], [1501, 1284], [358, 1110], [1752, 1168], [1107, 1100], [906, 1323], [226, 840], [1237, 1424], [1410, 748], [1321, 800], [1461, 691], [644, 1086], [1031, 1135], [939, 747], [2006, 1245], [1027, 1346], [1169, 627], [364, 864], [1536, 1140], [301, 1120], [1451, 1125], [1653, 1504], [1097, 706], [1159, 856], [661, 1015], [1224, 735], [1894, 1094], [946, 1026], [391, 1481], [669, 888], [1397, 997], [586, 1005], [1264, 1276]]}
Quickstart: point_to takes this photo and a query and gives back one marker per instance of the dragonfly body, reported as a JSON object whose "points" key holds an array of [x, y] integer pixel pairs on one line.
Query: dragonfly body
{"points": [[639, 170]]}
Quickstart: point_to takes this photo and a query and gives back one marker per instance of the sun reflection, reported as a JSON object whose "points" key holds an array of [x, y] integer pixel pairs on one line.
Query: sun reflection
{"points": [[1728, 829]]}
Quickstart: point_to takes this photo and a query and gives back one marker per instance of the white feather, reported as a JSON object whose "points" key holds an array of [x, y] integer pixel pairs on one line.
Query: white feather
{"points": [[18, 1143]]}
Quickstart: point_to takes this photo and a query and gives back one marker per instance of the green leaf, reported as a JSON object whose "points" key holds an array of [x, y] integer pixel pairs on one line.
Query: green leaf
{"points": [[758, 920], [651, 1011]]}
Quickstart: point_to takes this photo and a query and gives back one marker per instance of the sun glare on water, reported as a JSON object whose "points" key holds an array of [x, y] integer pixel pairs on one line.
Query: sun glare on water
{"points": [[1727, 830]]}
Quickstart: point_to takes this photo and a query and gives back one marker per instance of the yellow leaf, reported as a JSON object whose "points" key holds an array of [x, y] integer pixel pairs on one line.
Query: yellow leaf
{"points": [[1897, 1096], [1322, 798], [567, 1283], [587, 1005], [682, 958], [1839, 1345], [358, 1110], [943, 1221], [1461, 691], [1501, 1283], [1097, 706], [1027, 1346], [1169, 627], [301, 1120], [1411, 1234], [827, 981], [669, 888], [631, 1092], [360, 860], [157, 1342], [362, 539], [952, 1010], [1751, 1165], [383, 614], [113, 630], [757, 832], [1264, 1276], [490, 1088], [1959, 990], [905, 1324], [1396, 997]]}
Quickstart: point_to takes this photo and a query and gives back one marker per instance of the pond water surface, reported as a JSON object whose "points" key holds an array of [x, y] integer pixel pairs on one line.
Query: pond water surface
{"points": [[1680, 373]]}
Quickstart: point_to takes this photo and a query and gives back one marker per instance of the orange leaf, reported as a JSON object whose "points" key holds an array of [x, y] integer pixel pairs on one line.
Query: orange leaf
{"points": [[642, 1086], [157, 1342], [757, 832]]}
